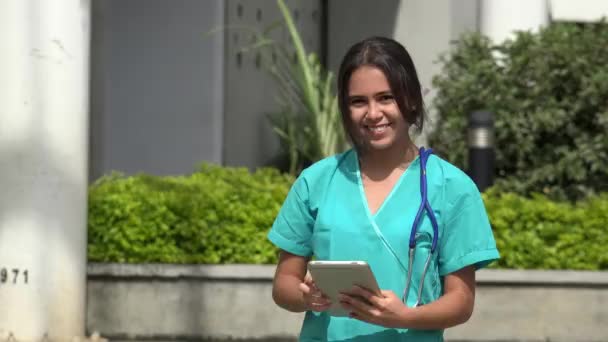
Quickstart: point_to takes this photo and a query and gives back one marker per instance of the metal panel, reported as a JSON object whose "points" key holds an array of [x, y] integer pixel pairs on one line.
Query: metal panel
{"points": [[157, 87], [350, 21], [249, 91]]}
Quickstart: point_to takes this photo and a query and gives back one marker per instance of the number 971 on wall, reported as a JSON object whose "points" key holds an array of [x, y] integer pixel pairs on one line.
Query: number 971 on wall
{"points": [[13, 276]]}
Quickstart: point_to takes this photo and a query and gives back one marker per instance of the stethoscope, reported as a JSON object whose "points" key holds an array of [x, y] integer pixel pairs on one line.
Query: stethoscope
{"points": [[424, 206]]}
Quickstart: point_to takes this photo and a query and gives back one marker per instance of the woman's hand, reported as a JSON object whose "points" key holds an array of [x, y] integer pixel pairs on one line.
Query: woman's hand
{"points": [[454, 307], [314, 299], [385, 309]]}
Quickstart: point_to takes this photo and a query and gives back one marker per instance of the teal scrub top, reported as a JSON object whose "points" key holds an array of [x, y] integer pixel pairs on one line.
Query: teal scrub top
{"points": [[326, 215]]}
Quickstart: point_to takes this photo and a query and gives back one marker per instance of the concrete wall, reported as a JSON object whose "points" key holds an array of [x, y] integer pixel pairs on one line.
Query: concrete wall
{"points": [[185, 303], [161, 302]]}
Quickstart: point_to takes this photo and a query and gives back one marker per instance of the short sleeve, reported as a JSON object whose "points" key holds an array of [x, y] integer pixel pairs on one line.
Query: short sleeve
{"points": [[468, 238], [292, 228]]}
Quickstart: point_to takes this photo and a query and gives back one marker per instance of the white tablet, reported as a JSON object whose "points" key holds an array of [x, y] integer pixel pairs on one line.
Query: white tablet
{"points": [[333, 277]]}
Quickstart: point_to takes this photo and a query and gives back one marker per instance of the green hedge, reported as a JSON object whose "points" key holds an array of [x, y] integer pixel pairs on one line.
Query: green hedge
{"points": [[216, 215], [537, 233], [548, 91], [222, 215]]}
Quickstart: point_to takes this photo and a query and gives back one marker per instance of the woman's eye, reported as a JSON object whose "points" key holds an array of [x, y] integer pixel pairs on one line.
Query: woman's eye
{"points": [[386, 98], [357, 102]]}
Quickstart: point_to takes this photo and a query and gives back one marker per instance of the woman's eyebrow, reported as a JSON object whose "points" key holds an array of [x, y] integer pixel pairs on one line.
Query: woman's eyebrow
{"points": [[354, 97], [384, 92]]}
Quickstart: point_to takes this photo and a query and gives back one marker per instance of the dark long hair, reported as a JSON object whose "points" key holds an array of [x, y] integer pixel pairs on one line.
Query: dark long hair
{"points": [[395, 62]]}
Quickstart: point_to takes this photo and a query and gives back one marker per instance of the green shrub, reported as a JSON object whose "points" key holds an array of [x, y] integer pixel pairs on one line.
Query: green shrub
{"points": [[538, 233], [216, 215], [548, 92], [222, 215]]}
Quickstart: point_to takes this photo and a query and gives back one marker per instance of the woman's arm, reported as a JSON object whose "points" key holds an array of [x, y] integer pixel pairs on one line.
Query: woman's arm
{"points": [[287, 278], [454, 307], [291, 290]]}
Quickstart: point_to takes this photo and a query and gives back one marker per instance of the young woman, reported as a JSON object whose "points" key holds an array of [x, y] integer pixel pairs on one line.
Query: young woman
{"points": [[367, 204]]}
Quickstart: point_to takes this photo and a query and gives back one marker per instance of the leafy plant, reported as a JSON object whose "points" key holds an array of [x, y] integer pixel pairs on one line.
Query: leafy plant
{"points": [[221, 215], [548, 92], [308, 123], [537, 233], [216, 215]]}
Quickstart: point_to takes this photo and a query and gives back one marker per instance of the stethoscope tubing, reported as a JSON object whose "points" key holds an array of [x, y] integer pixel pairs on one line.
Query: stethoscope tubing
{"points": [[424, 205]]}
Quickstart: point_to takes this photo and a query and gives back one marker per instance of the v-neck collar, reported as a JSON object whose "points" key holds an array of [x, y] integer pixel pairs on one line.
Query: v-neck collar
{"points": [[362, 196]]}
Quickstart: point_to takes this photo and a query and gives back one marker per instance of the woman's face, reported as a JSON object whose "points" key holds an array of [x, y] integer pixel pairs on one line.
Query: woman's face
{"points": [[376, 120]]}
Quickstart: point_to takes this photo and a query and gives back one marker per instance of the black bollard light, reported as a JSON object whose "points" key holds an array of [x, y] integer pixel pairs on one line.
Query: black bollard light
{"points": [[481, 148]]}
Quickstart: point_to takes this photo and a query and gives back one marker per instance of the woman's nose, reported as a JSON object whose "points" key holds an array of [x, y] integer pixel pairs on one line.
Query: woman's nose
{"points": [[374, 112]]}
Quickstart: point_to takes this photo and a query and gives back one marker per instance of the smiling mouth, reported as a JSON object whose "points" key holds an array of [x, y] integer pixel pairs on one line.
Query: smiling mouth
{"points": [[378, 128]]}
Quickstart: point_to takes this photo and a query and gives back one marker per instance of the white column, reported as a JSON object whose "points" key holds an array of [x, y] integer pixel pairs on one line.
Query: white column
{"points": [[499, 18], [43, 167], [579, 10]]}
